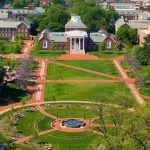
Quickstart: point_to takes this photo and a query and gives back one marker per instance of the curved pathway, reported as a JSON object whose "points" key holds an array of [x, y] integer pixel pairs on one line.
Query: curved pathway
{"points": [[41, 109], [34, 103]]}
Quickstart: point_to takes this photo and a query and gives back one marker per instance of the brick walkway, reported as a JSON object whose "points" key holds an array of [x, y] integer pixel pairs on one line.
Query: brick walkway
{"points": [[129, 82], [83, 81], [38, 97], [78, 57], [146, 97], [40, 109], [24, 139]]}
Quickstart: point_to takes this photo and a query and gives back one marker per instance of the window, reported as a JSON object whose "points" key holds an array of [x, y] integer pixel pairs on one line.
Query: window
{"points": [[108, 44], [44, 44]]}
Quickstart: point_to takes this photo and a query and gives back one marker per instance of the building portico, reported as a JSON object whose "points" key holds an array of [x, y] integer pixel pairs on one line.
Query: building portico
{"points": [[77, 41]]}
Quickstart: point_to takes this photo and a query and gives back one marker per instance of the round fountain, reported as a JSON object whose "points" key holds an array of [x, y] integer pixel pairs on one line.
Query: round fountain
{"points": [[73, 123]]}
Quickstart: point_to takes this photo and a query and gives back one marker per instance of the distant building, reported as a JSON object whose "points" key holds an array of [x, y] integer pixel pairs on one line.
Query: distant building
{"points": [[142, 33], [75, 38], [135, 24], [145, 15], [44, 2], [4, 16], [21, 14], [142, 26], [9, 29]]}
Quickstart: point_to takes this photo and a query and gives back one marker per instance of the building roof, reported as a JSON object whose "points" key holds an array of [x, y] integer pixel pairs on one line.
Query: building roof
{"points": [[120, 22], [122, 5], [54, 36], [75, 22], [3, 15], [11, 24], [76, 33], [102, 31], [128, 12], [138, 24], [24, 11], [144, 15], [97, 37], [58, 37]]}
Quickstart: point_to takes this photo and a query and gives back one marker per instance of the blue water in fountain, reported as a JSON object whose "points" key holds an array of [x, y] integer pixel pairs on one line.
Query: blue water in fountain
{"points": [[73, 123]]}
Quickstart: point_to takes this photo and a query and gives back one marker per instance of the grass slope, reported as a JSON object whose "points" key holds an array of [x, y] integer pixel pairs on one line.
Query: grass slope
{"points": [[110, 92], [33, 122], [59, 72], [96, 65]]}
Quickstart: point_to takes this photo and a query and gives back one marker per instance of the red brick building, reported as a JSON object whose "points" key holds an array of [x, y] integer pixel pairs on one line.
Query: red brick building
{"points": [[9, 29], [75, 38]]}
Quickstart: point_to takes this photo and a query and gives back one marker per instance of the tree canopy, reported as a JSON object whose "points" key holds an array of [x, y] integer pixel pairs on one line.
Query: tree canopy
{"points": [[127, 35], [55, 18], [143, 53], [24, 3], [93, 16]]}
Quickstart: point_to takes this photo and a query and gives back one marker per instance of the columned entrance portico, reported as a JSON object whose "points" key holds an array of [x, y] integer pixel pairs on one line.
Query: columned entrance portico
{"points": [[77, 41]]}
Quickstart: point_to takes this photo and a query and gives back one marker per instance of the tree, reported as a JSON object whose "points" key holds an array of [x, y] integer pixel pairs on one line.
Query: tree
{"points": [[58, 2], [53, 46], [93, 16], [24, 72], [101, 47], [143, 53], [140, 80], [127, 35], [132, 36], [36, 45], [18, 49], [55, 18], [2, 50], [2, 75], [129, 132], [122, 33], [24, 3]]}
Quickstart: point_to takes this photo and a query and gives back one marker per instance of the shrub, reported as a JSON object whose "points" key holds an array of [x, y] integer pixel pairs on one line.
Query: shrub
{"points": [[53, 46]]}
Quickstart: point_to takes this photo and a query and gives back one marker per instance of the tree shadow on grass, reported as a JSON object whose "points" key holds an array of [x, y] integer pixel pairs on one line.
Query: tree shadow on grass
{"points": [[12, 94]]}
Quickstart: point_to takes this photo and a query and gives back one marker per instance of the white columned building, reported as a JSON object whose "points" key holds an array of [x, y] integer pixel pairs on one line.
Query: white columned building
{"points": [[77, 41]]}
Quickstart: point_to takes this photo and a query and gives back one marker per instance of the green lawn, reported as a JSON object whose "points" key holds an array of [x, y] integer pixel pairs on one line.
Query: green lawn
{"points": [[33, 122], [47, 53], [9, 47], [96, 65], [107, 120], [111, 92], [145, 90], [106, 54], [124, 64], [72, 113], [60, 72], [70, 141]]}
